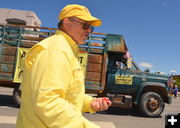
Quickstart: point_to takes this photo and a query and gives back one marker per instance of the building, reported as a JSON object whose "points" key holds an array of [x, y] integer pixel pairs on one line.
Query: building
{"points": [[29, 17]]}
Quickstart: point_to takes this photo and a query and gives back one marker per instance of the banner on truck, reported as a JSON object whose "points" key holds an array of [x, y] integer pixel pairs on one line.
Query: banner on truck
{"points": [[20, 63]]}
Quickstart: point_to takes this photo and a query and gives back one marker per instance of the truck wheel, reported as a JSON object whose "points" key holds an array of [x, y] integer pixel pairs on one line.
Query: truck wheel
{"points": [[151, 104], [17, 95]]}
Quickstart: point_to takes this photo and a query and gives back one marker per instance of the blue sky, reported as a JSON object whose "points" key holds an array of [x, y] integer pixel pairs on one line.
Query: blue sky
{"points": [[151, 28]]}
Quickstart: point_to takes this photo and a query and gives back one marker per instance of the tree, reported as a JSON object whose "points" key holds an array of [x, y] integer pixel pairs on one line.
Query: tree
{"points": [[177, 80]]}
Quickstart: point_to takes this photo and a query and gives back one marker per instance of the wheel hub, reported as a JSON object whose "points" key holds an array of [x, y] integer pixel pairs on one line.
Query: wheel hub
{"points": [[153, 104]]}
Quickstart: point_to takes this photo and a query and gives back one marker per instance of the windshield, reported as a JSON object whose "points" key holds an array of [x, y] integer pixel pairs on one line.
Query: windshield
{"points": [[134, 66]]}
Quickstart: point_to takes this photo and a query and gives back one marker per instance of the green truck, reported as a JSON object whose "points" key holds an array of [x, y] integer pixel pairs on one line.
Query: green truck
{"points": [[108, 71]]}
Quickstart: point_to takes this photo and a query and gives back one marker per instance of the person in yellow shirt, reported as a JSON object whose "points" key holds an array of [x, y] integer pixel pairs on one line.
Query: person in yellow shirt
{"points": [[53, 93]]}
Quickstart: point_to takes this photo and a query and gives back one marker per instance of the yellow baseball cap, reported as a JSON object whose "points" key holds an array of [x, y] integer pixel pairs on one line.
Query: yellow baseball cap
{"points": [[74, 10]]}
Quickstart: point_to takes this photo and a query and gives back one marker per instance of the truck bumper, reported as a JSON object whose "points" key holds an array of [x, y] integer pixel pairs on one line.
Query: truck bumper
{"points": [[169, 99]]}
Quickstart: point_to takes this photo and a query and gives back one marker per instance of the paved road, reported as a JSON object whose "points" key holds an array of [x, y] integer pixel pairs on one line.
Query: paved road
{"points": [[116, 118]]}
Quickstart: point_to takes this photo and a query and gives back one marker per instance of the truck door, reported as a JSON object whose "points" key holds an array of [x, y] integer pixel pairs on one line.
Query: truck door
{"points": [[122, 79]]}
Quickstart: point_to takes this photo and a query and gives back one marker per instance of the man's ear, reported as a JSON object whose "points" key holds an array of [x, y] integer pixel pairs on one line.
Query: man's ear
{"points": [[66, 21], [66, 25]]}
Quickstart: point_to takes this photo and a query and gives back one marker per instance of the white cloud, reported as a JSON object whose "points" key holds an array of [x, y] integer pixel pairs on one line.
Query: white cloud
{"points": [[162, 73], [146, 65], [173, 71]]}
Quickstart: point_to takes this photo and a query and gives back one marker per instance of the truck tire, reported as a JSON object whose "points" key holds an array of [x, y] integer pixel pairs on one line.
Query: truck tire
{"points": [[151, 104], [17, 96]]}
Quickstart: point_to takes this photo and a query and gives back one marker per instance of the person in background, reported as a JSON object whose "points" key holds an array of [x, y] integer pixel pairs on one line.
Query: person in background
{"points": [[175, 91], [53, 93]]}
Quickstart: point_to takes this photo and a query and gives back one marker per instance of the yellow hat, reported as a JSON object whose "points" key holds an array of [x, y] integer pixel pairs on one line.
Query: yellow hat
{"points": [[79, 11]]}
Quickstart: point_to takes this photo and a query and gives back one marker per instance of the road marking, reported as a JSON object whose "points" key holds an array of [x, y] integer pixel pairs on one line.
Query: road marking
{"points": [[104, 124], [8, 119]]}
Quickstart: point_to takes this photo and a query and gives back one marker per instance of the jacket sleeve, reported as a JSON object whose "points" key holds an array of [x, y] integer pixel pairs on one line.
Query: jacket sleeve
{"points": [[51, 72], [87, 104]]}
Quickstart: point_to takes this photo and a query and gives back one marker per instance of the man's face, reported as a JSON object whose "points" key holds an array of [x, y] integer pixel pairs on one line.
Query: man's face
{"points": [[78, 29]]}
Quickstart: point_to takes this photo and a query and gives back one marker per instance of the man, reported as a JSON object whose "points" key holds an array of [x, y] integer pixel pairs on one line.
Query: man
{"points": [[53, 94]]}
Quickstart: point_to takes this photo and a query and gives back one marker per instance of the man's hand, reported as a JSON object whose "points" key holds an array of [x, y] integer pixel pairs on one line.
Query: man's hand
{"points": [[100, 104]]}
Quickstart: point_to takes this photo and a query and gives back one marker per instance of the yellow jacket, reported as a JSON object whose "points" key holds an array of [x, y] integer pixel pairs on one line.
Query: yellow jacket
{"points": [[53, 94]]}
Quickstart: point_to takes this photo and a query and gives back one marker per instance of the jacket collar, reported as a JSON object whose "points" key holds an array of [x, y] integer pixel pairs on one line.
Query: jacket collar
{"points": [[70, 41]]}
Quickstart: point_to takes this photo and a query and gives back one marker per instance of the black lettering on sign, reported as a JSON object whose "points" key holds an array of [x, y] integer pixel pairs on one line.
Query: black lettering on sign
{"points": [[23, 54], [20, 74], [80, 59]]}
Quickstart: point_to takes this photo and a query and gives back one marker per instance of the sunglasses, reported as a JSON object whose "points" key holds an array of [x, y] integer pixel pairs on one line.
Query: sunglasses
{"points": [[85, 26]]}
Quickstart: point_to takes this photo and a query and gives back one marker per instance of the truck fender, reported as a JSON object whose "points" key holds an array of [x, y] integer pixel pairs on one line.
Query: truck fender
{"points": [[160, 88]]}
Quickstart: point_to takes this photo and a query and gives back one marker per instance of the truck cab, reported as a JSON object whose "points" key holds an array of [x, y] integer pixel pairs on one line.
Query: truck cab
{"points": [[128, 86]]}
